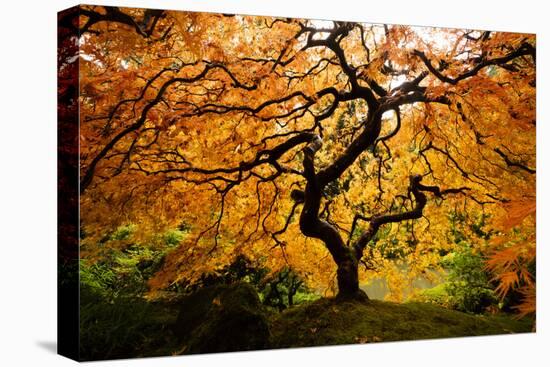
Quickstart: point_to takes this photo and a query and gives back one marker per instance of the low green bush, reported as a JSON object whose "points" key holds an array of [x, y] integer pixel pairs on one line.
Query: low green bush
{"points": [[468, 287], [123, 327]]}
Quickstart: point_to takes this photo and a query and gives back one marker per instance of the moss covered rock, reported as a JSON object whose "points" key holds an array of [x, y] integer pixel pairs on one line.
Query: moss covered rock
{"points": [[221, 319]]}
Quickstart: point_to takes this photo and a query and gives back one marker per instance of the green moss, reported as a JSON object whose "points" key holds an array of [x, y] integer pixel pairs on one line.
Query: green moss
{"points": [[230, 317], [328, 322], [221, 319]]}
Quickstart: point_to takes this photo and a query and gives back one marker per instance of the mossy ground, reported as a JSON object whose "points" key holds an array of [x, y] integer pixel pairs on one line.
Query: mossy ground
{"points": [[330, 322], [237, 321]]}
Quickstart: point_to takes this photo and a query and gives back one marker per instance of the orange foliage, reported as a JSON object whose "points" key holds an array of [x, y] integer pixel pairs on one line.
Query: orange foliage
{"points": [[179, 123]]}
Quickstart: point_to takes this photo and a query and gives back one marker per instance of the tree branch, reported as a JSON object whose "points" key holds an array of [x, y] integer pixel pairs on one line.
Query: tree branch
{"points": [[511, 163], [524, 50], [417, 189]]}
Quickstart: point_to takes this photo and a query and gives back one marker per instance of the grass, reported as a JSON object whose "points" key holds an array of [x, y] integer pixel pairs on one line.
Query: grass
{"points": [[328, 322]]}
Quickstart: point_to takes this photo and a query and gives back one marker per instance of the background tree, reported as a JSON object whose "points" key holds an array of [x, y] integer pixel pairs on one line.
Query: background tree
{"points": [[370, 134]]}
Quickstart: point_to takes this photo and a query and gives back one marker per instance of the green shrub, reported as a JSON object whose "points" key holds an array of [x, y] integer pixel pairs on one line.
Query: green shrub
{"points": [[173, 237], [468, 287], [121, 273], [123, 232], [469, 284], [123, 327], [437, 295], [126, 271], [285, 289]]}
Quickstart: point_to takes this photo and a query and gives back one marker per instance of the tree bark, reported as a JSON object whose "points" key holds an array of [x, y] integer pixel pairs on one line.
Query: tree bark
{"points": [[347, 275], [312, 226]]}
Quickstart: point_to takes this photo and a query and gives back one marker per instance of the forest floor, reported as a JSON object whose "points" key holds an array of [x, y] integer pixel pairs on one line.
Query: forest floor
{"points": [[329, 322], [129, 328]]}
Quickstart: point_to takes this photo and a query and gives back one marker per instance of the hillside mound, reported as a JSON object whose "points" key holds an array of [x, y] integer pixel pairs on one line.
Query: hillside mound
{"points": [[332, 322]]}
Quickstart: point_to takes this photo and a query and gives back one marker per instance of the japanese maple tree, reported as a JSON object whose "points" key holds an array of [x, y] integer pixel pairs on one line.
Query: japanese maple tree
{"points": [[323, 146]]}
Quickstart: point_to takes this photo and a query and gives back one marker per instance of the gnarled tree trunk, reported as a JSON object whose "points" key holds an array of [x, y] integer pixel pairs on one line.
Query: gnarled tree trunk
{"points": [[347, 257], [313, 226], [347, 276]]}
